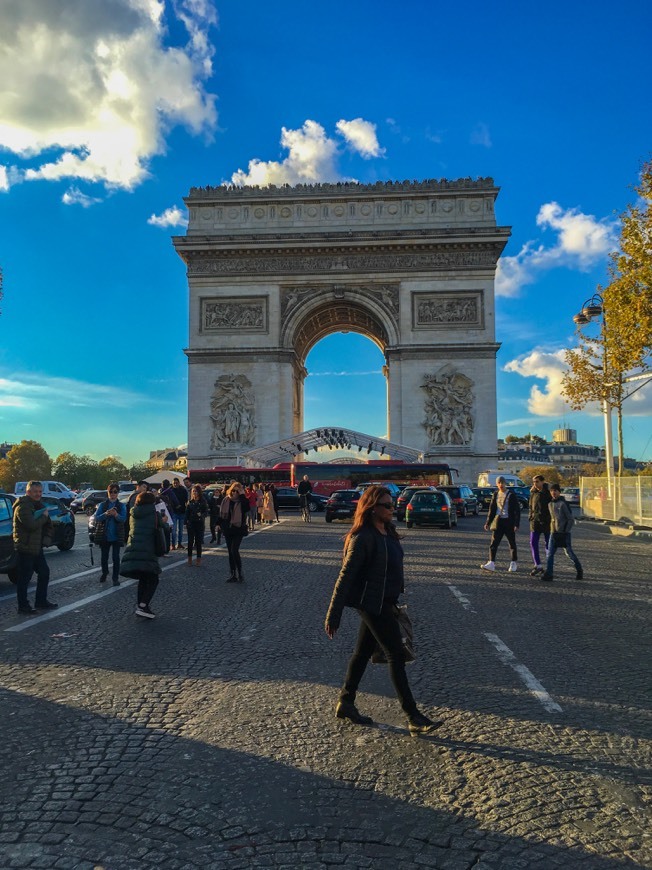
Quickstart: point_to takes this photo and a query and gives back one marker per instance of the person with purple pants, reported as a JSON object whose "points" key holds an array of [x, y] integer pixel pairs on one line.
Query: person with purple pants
{"points": [[539, 517]]}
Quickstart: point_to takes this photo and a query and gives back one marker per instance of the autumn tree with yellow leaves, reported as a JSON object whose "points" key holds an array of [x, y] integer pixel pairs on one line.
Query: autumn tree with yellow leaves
{"points": [[599, 366]]}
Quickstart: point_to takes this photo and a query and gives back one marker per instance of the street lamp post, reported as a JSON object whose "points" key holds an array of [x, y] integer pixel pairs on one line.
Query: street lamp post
{"points": [[592, 309]]}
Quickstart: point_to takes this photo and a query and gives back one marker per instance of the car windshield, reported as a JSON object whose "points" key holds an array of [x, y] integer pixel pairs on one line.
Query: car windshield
{"points": [[346, 495], [428, 498]]}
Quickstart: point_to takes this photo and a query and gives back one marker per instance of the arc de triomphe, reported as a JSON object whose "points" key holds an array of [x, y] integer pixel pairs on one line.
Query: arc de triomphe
{"points": [[411, 265]]}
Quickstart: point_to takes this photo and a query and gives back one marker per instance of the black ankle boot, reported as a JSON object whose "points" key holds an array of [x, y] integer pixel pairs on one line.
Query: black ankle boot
{"points": [[348, 710], [240, 576], [232, 578], [420, 724]]}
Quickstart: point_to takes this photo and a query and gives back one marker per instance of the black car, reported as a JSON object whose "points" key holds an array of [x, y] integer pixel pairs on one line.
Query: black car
{"points": [[342, 504], [404, 498], [484, 495], [92, 499], [463, 499], [288, 497], [63, 523]]}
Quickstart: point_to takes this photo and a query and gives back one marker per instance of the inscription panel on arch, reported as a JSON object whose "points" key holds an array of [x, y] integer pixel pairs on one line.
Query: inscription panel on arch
{"points": [[235, 314], [445, 310]]}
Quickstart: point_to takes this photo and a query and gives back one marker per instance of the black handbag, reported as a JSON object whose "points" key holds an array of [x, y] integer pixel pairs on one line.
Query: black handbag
{"points": [[407, 637], [99, 532], [160, 546]]}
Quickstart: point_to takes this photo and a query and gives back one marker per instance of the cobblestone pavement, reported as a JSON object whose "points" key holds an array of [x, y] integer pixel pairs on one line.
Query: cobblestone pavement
{"points": [[206, 738]]}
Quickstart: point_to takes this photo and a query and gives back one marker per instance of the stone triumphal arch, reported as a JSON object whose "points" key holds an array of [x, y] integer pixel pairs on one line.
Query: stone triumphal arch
{"points": [[411, 265]]}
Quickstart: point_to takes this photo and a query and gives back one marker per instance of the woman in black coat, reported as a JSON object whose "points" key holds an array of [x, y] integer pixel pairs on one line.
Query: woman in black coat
{"points": [[140, 561], [233, 519], [371, 580], [195, 515]]}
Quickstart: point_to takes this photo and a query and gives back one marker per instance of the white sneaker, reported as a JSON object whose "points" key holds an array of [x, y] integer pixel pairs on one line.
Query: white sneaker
{"points": [[489, 566], [512, 567]]}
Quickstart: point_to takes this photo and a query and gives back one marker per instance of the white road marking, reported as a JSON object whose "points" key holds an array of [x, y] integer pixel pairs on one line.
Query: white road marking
{"points": [[82, 602], [464, 601], [507, 657]]}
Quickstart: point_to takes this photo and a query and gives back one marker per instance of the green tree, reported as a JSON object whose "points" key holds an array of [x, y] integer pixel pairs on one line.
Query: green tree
{"points": [[550, 473], [26, 461], [73, 469], [139, 470], [108, 469]]}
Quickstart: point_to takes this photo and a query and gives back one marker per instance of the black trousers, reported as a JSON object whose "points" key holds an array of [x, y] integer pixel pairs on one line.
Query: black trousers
{"points": [[384, 630], [195, 538], [505, 529], [147, 583], [233, 541], [27, 564], [112, 547]]}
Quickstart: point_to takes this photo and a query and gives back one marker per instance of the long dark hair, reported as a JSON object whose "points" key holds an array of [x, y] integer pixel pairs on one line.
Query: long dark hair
{"points": [[364, 512]]}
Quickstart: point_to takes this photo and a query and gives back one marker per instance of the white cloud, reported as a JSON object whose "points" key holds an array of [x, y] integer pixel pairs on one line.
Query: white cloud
{"points": [[313, 155], [95, 85], [74, 196], [547, 401], [582, 240], [4, 178], [35, 392], [546, 366], [481, 136], [171, 217], [361, 137]]}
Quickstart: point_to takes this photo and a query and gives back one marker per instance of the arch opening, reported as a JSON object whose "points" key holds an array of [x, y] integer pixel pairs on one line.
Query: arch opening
{"points": [[346, 384], [337, 317]]}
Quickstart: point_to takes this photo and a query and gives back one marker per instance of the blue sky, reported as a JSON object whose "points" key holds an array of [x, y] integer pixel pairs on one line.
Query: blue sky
{"points": [[112, 109]]}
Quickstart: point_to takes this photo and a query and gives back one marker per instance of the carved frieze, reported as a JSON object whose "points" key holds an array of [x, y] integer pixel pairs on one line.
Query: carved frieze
{"points": [[386, 295], [448, 407], [237, 314], [349, 262], [445, 310], [232, 412]]}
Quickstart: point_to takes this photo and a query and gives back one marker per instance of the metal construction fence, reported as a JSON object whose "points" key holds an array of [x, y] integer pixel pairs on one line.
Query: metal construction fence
{"points": [[630, 498]]}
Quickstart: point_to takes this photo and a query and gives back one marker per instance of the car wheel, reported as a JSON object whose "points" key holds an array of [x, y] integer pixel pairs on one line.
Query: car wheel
{"points": [[328, 519], [67, 538], [464, 511], [476, 511], [312, 507], [89, 511], [409, 524]]}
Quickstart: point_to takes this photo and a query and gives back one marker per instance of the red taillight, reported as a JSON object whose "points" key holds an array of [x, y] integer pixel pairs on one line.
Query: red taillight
{"points": [[410, 507], [444, 507]]}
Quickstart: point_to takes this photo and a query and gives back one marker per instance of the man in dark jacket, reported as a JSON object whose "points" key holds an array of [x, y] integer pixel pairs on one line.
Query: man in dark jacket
{"points": [[31, 525], [178, 511], [539, 517], [561, 523], [503, 519]]}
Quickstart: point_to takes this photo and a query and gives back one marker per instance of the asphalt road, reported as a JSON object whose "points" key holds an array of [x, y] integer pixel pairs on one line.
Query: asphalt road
{"points": [[206, 738]]}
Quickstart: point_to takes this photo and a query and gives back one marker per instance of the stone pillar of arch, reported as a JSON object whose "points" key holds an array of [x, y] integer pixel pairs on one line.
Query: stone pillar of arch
{"points": [[410, 265]]}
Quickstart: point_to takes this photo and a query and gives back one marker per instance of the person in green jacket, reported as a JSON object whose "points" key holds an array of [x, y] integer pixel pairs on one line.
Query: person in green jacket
{"points": [[32, 527], [140, 561]]}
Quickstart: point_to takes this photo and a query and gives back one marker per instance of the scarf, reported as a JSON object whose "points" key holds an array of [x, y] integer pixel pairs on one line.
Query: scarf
{"points": [[232, 509]]}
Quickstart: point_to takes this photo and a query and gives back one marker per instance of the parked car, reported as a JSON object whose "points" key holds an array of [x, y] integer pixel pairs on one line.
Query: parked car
{"points": [[483, 495], [76, 505], [523, 496], [50, 487], [342, 504], [430, 507], [63, 522], [571, 495], [463, 499], [405, 496], [289, 497], [394, 488], [92, 499]]}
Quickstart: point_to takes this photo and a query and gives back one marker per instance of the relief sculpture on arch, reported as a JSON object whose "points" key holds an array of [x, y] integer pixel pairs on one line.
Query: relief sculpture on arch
{"points": [[232, 412], [448, 407]]}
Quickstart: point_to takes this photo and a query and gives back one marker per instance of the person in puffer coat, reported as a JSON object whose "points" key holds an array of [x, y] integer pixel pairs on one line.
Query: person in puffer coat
{"points": [[140, 561]]}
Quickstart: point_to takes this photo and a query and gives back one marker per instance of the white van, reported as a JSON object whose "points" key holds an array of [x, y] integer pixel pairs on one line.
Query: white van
{"points": [[50, 487], [488, 478]]}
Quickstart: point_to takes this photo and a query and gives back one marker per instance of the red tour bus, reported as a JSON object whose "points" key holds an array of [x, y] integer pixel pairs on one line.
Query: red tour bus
{"points": [[326, 477]]}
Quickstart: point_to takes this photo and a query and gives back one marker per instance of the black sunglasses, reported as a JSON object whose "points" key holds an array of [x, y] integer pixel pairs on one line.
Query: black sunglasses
{"points": [[114, 490]]}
